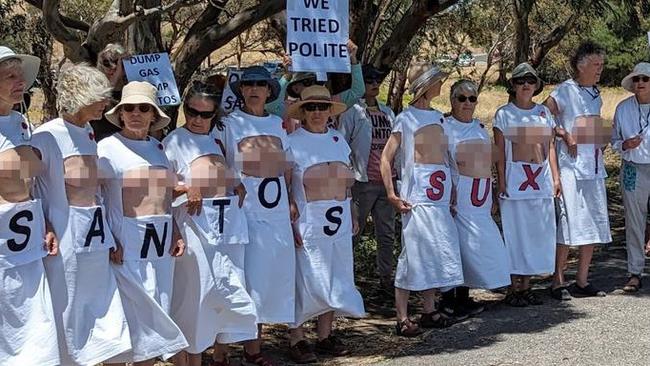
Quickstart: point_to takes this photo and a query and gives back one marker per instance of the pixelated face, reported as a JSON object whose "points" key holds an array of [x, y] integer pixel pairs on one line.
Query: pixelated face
{"points": [[19, 164], [474, 158], [147, 191], [591, 67], [327, 181], [255, 92], [199, 113], [430, 145], [12, 82], [81, 171], [592, 130], [262, 156], [529, 135], [137, 117]]}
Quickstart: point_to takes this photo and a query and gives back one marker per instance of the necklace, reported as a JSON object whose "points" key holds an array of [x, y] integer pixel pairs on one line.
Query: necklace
{"points": [[594, 95]]}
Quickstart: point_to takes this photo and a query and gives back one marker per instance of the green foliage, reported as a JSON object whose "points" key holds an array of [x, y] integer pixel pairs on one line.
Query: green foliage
{"points": [[13, 26]]}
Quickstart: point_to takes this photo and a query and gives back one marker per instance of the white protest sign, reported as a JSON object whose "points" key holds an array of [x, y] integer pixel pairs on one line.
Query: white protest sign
{"points": [[317, 35], [229, 101], [648, 38], [156, 69]]}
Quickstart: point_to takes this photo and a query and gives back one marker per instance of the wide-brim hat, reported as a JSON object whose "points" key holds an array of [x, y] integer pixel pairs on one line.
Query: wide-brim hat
{"points": [[139, 92], [29, 63], [298, 77], [522, 70], [256, 73], [315, 94], [422, 77], [641, 69], [371, 72]]}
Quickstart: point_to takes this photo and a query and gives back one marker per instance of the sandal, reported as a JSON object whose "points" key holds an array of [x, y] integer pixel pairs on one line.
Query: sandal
{"points": [[587, 291], [531, 297], [516, 300], [629, 288], [435, 319], [407, 328], [332, 345], [257, 359]]}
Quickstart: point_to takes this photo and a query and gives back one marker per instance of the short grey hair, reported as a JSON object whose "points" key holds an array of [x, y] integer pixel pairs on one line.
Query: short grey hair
{"points": [[463, 86], [79, 86], [11, 62]]}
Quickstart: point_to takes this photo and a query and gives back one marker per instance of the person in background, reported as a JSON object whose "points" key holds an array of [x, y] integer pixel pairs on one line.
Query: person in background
{"points": [[583, 219], [528, 180], [483, 254], [293, 86], [109, 61], [366, 126], [631, 138], [430, 257]]}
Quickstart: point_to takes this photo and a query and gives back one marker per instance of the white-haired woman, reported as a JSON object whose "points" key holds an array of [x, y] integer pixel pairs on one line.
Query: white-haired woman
{"points": [[430, 257], [210, 302], [583, 218], [528, 179], [138, 184], [88, 307], [109, 61], [25, 297], [483, 254]]}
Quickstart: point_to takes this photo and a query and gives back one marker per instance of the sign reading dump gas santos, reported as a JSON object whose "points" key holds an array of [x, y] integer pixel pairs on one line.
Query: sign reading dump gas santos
{"points": [[156, 69], [317, 35]]}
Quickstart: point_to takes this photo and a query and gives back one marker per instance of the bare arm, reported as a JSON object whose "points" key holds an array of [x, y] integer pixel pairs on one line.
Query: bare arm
{"points": [[555, 170], [386, 167], [500, 143]]}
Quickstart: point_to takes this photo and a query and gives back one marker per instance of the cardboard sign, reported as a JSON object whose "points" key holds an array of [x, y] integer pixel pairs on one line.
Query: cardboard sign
{"points": [[229, 101], [317, 35], [157, 70]]}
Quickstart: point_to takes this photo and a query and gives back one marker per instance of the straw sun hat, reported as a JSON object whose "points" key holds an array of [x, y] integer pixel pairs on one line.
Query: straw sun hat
{"points": [[139, 92], [422, 77], [315, 94]]}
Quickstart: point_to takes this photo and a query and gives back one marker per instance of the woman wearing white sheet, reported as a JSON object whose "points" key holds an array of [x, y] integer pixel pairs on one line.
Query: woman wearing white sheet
{"points": [[256, 148], [209, 299], [320, 186], [87, 305], [483, 253], [26, 312], [137, 189], [528, 180]]}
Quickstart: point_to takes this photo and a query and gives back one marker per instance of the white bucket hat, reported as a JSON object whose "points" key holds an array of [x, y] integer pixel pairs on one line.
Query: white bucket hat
{"points": [[641, 69], [30, 64], [139, 92]]}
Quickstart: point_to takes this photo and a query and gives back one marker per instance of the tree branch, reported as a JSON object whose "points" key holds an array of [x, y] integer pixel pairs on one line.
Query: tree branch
{"points": [[553, 39], [71, 40], [67, 21]]}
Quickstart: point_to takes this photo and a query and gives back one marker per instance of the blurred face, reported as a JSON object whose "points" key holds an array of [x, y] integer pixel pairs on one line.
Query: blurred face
{"points": [[464, 104], [199, 113], [641, 85], [12, 83], [255, 92], [591, 67], [316, 115], [525, 87], [137, 118], [94, 111]]}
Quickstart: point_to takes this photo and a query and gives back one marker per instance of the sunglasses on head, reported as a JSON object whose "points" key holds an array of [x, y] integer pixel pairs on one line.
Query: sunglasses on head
{"points": [[195, 113], [522, 81], [255, 83], [109, 63], [644, 78], [311, 107], [143, 108], [463, 98]]}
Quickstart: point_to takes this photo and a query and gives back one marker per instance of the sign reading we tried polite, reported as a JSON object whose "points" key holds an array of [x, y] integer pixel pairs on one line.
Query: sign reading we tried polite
{"points": [[317, 35], [157, 70]]}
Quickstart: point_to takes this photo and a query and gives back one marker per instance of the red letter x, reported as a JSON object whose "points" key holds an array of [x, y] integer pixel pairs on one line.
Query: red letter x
{"points": [[530, 178]]}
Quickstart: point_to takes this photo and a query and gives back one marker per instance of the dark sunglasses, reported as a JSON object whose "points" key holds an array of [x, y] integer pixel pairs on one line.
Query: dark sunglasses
{"points": [[522, 81], [463, 99], [143, 108], [194, 113], [372, 80], [255, 83], [109, 63], [311, 107], [310, 82], [636, 79]]}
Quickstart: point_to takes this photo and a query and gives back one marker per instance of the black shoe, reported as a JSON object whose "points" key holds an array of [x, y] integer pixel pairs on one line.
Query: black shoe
{"points": [[471, 307], [435, 319], [560, 293], [515, 299], [587, 291], [454, 312], [531, 297]]}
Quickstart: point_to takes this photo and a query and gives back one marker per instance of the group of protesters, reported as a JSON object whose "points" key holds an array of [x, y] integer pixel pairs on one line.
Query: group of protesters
{"points": [[119, 246]]}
